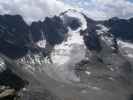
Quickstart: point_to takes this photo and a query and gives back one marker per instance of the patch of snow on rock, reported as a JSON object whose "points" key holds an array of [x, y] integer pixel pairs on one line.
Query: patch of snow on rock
{"points": [[125, 44], [2, 65], [41, 43], [103, 29]]}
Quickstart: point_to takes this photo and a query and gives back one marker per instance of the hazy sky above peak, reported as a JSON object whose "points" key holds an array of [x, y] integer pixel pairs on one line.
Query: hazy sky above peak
{"points": [[38, 9], [103, 9]]}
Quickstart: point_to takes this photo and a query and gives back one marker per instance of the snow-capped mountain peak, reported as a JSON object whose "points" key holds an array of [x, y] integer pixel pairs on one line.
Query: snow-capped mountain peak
{"points": [[74, 17]]}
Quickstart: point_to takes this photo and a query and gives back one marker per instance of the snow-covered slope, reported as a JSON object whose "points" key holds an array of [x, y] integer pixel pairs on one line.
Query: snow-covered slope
{"points": [[71, 51], [126, 49]]}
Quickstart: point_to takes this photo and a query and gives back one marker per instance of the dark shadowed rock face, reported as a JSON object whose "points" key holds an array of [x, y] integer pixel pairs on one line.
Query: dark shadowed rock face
{"points": [[7, 78], [121, 28], [91, 38], [16, 37], [54, 30], [131, 97], [15, 29], [74, 24], [36, 31], [13, 35], [12, 51]]}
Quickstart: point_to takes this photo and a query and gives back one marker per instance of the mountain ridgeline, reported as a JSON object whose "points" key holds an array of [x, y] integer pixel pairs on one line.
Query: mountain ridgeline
{"points": [[16, 37]]}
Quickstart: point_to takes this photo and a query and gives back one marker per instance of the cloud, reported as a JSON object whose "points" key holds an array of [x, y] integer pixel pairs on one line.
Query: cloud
{"points": [[104, 9], [32, 10]]}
